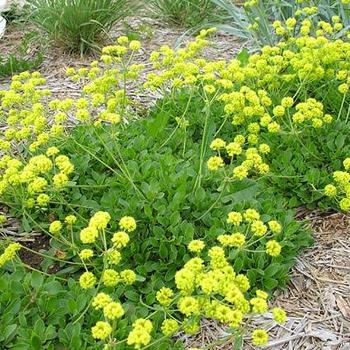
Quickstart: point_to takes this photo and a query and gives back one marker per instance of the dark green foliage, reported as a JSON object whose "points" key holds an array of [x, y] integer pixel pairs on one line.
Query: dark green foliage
{"points": [[39, 312], [13, 64]]}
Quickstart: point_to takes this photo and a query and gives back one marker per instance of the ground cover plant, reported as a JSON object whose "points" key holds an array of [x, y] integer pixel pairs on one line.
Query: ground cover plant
{"points": [[157, 222]]}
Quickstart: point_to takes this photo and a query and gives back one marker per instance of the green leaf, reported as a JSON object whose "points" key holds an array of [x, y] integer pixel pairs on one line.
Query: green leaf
{"points": [[340, 140], [200, 195], [270, 283], [132, 295], [238, 265], [37, 280], [9, 331], [39, 326], [243, 56], [271, 270], [35, 342], [53, 287], [163, 250]]}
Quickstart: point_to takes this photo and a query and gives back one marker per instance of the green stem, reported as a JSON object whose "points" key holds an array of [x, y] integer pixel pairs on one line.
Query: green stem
{"points": [[341, 106], [214, 204], [50, 257], [203, 147], [42, 272], [155, 342], [124, 170], [168, 139]]}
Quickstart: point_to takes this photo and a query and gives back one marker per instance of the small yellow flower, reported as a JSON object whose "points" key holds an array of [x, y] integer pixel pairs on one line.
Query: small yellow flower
{"points": [[113, 311], [169, 327], [86, 254], [196, 246], [165, 296], [2, 219], [330, 191], [214, 163], [275, 226], [279, 315], [260, 337], [101, 330], [273, 248], [128, 276], [343, 88], [234, 218], [135, 45], [55, 227], [217, 144], [120, 239], [87, 280], [127, 223], [88, 235], [70, 219], [110, 278], [101, 300]]}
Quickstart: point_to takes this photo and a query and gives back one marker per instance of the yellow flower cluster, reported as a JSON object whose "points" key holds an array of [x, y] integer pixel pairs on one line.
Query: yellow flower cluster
{"points": [[252, 156], [98, 221], [180, 67], [112, 311], [9, 253], [213, 290], [299, 58], [38, 178], [95, 233], [249, 229], [311, 110], [26, 114], [247, 92], [56, 226], [340, 188], [108, 254], [141, 333], [105, 83]]}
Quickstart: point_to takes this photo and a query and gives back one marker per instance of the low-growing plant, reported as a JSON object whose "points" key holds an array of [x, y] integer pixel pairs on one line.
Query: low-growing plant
{"points": [[79, 25], [37, 312], [127, 201]]}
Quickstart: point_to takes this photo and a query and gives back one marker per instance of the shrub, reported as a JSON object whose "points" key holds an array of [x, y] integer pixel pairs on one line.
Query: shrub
{"points": [[184, 13], [79, 25]]}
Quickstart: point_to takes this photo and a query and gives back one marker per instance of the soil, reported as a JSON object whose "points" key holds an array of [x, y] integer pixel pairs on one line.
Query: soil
{"points": [[39, 243]]}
